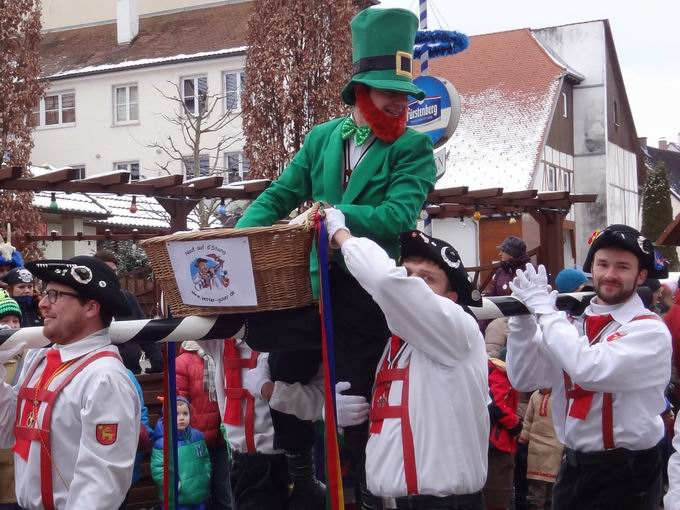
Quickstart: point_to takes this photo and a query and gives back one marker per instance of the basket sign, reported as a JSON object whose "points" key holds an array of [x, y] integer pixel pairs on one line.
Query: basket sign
{"points": [[216, 272], [438, 114]]}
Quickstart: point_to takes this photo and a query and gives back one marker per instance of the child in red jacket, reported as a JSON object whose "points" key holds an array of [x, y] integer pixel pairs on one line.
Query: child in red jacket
{"points": [[505, 427]]}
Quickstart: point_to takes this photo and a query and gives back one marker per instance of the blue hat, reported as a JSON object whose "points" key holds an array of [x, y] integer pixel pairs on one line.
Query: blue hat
{"points": [[568, 280]]}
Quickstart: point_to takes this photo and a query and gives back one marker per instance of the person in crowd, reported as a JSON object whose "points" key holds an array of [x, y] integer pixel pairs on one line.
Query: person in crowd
{"points": [[545, 450], [193, 460], [607, 384], [378, 172], [505, 428], [435, 346], [246, 394], [10, 318], [144, 443], [21, 287], [195, 375], [496, 336], [10, 258], [73, 416], [570, 280], [132, 351], [513, 254]]}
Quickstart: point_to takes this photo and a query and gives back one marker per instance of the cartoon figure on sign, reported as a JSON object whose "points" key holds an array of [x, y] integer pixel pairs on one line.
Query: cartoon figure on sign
{"points": [[208, 273]]}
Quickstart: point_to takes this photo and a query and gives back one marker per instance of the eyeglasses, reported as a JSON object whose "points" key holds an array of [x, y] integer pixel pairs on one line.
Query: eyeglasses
{"points": [[53, 295]]}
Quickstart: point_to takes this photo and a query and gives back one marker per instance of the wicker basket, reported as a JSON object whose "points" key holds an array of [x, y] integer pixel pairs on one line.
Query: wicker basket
{"points": [[280, 260]]}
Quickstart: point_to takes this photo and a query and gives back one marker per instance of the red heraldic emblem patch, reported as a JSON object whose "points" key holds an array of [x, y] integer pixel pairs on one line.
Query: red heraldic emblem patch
{"points": [[107, 433]]}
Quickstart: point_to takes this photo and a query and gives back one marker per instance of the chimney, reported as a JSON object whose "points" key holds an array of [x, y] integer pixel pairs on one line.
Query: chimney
{"points": [[643, 142], [127, 20], [663, 145]]}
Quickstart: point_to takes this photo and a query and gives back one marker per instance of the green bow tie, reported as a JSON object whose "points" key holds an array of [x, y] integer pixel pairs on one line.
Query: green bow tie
{"points": [[350, 129]]}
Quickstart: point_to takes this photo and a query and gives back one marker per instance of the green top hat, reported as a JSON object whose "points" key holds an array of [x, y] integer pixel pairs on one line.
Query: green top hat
{"points": [[382, 51]]}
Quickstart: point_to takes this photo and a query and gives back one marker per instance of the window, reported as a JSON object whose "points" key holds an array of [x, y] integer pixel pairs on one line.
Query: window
{"points": [[238, 166], [194, 91], [203, 164], [129, 166], [55, 109], [233, 88], [81, 171], [616, 114], [565, 111], [126, 103]]}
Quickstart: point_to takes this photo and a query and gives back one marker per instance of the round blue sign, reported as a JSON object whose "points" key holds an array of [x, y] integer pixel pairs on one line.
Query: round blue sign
{"points": [[437, 115]]}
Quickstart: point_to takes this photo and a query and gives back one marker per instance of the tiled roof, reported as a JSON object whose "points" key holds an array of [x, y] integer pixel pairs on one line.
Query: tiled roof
{"points": [[192, 34], [508, 85]]}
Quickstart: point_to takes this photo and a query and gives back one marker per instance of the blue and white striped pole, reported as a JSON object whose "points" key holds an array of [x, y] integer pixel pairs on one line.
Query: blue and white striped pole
{"points": [[427, 221]]}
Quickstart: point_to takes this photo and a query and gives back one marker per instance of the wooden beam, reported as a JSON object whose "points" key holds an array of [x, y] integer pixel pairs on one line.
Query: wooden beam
{"points": [[583, 198], [671, 234], [552, 195], [108, 179], [485, 193], [207, 182], [61, 175], [438, 194], [513, 195], [8, 173], [165, 181]]}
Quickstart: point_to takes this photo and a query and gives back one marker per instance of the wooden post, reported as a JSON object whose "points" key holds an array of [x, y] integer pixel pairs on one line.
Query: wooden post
{"points": [[178, 210], [551, 225]]}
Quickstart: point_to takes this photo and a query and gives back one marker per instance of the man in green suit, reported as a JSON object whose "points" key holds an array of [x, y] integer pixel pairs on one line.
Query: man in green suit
{"points": [[378, 173]]}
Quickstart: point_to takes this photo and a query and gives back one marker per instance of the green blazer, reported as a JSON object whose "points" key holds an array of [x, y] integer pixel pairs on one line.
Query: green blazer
{"points": [[384, 195]]}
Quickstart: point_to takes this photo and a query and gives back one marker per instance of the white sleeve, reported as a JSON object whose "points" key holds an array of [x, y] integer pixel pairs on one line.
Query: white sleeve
{"points": [[671, 500], [302, 400], [640, 356], [429, 322], [528, 366], [103, 472]]}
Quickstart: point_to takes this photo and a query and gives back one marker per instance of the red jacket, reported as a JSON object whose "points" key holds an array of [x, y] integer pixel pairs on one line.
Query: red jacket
{"points": [[672, 320], [505, 424], [205, 415]]}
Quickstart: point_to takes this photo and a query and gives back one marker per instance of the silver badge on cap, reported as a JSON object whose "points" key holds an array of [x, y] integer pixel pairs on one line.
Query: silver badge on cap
{"points": [[81, 274], [102, 283], [476, 295], [449, 262]]}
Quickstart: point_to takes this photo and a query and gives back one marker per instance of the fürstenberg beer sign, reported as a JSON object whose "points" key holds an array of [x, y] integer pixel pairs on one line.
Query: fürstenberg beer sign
{"points": [[438, 114]]}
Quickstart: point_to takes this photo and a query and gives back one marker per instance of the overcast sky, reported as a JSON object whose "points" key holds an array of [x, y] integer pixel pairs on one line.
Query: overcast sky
{"points": [[647, 39]]}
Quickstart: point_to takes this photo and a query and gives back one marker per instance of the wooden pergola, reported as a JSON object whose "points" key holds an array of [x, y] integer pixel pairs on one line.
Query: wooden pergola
{"points": [[176, 195], [179, 197], [671, 234], [549, 209]]}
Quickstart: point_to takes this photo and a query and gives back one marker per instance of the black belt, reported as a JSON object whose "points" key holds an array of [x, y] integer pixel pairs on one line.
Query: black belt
{"points": [[576, 459], [453, 501]]}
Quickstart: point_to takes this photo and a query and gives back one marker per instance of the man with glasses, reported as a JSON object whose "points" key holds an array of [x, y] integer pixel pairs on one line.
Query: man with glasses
{"points": [[73, 417]]}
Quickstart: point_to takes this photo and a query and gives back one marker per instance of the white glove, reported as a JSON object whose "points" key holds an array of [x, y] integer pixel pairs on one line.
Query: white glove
{"points": [[335, 220], [256, 378], [352, 409], [532, 289]]}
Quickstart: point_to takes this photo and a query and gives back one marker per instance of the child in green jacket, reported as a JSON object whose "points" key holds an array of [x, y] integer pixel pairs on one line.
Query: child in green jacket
{"points": [[194, 461]]}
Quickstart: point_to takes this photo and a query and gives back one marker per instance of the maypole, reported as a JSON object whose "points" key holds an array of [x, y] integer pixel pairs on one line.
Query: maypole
{"points": [[424, 71]]}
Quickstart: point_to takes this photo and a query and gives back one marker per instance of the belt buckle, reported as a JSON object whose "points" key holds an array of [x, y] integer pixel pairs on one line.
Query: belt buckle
{"points": [[389, 503]]}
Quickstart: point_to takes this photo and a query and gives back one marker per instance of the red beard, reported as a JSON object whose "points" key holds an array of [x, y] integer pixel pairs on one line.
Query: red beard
{"points": [[385, 127]]}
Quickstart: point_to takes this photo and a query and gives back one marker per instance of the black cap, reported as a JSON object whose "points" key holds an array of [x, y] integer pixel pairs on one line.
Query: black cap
{"points": [[513, 246], [18, 275], [629, 239], [89, 277], [417, 243]]}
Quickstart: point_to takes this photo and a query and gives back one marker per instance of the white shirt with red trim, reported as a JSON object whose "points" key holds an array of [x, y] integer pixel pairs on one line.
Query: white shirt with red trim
{"points": [[98, 475], [303, 401], [632, 361], [448, 383]]}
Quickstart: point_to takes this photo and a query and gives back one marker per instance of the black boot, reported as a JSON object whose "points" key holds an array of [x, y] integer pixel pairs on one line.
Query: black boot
{"points": [[368, 500], [305, 492]]}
